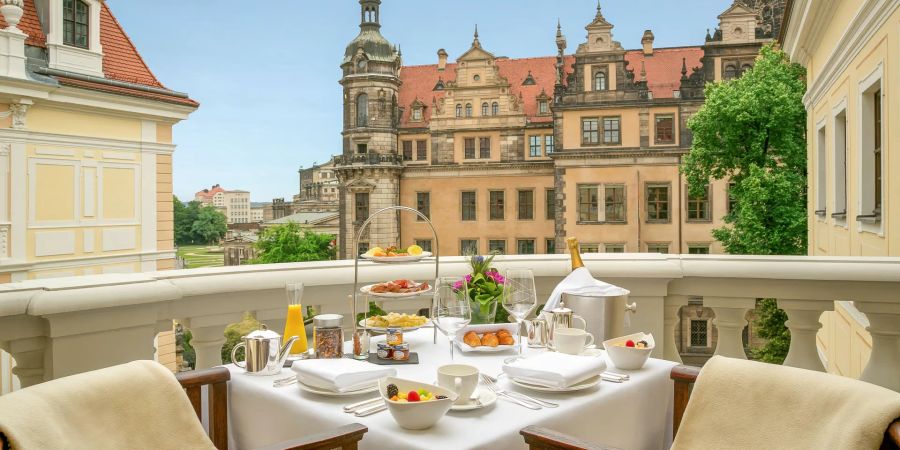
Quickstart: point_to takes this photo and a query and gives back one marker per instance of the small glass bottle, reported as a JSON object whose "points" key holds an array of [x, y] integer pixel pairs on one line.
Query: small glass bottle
{"points": [[329, 336], [361, 342]]}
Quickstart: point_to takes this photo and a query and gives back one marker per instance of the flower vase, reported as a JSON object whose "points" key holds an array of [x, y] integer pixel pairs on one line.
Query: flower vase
{"points": [[484, 313]]}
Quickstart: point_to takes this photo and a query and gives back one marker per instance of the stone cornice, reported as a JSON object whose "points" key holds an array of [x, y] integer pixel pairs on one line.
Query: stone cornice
{"points": [[633, 152], [492, 169]]}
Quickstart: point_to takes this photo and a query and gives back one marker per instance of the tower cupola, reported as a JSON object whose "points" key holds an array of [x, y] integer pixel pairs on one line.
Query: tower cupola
{"points": [[370, 45]]}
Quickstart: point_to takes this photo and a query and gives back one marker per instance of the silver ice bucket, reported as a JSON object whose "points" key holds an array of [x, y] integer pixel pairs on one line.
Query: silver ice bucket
{"points": [[605, 317]]}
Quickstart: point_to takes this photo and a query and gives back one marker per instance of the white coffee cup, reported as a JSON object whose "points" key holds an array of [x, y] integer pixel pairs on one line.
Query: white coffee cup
{"points": [[459, 378], [571, 340]]}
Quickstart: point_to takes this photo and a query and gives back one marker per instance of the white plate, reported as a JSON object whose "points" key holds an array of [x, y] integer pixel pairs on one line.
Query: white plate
{"points": [[397, 259], [481, 329], [486, 397], [586, 384], [362, 323], [368, 291], [325, 392], [482, 349]]}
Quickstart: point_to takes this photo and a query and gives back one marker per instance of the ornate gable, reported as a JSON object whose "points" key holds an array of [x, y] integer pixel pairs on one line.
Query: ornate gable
{"points": [[738, 23]]}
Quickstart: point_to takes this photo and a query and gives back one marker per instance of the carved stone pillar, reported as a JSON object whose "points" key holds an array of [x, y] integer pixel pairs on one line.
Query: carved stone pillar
{"points": [[730, 321], [209, 336], [883, 368], [803, 321], [29, 356], [671, 307]]}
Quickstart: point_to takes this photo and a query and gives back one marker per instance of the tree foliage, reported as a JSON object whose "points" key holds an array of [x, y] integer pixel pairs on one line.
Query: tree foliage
{"points": [[752, 131], [290, 243], [197, 224]]}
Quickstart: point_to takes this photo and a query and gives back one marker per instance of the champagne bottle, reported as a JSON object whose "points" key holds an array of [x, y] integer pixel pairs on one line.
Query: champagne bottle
{"points": [[573, 252]]}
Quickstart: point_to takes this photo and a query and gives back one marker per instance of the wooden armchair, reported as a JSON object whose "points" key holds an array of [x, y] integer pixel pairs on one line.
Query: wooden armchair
{"points": [[539, 438], [346, 437]]}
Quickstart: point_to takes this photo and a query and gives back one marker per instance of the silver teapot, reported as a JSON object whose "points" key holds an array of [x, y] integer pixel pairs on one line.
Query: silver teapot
{"points": [[562, 317], [263, 353]]}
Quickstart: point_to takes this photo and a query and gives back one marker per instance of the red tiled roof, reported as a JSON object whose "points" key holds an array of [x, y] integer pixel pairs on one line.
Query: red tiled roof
{"points": [[209, 193], [664, 67], [419, 82], [30, 25]]}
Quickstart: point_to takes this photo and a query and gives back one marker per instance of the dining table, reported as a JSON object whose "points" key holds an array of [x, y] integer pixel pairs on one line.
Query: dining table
{"points": [[634, 414]]}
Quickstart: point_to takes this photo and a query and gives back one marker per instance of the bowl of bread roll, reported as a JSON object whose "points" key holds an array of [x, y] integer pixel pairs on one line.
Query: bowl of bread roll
{"points": [[487, 338]]}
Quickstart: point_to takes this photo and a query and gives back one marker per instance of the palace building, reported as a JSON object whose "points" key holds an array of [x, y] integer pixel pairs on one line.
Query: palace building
{"points": [[513, 155]]}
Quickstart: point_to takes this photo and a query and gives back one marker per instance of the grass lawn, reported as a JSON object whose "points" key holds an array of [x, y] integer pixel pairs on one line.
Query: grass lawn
{"points": [[199, 256]]}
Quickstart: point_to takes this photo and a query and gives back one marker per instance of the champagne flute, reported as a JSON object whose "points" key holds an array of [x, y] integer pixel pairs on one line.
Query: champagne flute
{"points": [[450, 309], [519, 296]]}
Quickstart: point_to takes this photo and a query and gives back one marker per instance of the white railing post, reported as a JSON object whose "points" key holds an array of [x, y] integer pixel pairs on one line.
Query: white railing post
{"points": [[731, 318], [209, 336], [671, 307], [803, 321], [883, 368], [29, 356]]}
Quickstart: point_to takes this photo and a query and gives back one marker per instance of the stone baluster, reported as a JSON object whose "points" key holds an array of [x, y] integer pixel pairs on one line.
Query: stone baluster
{"points": [[209, 336], [730, 321], [671, 307], [803, 321], [29, 356], [883, 368]]}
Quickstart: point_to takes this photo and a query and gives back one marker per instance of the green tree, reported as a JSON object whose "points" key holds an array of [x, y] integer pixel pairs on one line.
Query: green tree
{"points": [[210, 225], [290, 243], [185, 215], [752, 131]]}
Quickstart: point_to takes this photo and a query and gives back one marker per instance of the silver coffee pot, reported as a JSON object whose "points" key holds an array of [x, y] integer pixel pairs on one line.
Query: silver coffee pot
{"points": [[263, 353], [563, 317]]}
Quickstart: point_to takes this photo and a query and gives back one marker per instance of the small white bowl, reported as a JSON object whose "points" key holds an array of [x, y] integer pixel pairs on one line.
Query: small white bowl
{"points": [[629, 358], [416, 415]]}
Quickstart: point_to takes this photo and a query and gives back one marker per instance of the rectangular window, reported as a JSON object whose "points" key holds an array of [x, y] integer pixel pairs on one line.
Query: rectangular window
{"points": [[362, 206], [534, 146], [497, 205], [550, 246], [821, 184], [470, 148], [425, 244], [665, 130], [698, 249], [614, 248], [840, 166], [543, 107], [497, 246], [75, 23], [548, 145], [468, 205], [362, 149], [526, 205], [407, 151], [658, 248], [590, 248], [876, 132], [421, 150], [551, 204], [525, 246], [588, 204], [590, 133], [484, 148], [423, 204], [611, 130], [657, 202], [699, 336], [615, 203], [468, 247], [698, 206]]}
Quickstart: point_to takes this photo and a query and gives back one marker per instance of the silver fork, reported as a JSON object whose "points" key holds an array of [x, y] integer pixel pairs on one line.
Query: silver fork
{"points": [[500, 392], [492, 382]]}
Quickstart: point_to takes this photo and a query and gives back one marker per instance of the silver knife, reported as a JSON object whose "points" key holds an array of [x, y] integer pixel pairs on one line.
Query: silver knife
{"points": [[355, 406], [370, 410]]}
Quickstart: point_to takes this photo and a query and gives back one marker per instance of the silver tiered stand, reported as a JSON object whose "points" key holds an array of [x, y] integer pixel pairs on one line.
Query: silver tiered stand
{"points": [[436, 251]]}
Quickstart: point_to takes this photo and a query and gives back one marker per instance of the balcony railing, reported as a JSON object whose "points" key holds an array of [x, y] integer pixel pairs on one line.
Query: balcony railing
{"points": [[58, 327], [370, 159]]}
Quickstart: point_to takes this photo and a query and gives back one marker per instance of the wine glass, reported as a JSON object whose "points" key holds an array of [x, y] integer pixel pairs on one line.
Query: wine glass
{"points": [[450, 310], [519, 296]]}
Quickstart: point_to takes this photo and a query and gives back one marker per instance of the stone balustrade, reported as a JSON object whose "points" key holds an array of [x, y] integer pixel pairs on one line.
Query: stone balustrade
{"points": [[58, 327]]}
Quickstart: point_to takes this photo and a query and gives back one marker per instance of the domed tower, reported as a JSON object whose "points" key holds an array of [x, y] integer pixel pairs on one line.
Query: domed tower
{"points": [[369, 169]]}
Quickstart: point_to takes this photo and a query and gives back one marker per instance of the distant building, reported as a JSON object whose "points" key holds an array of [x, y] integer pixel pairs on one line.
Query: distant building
{"points": [[319, 222], [319, 189], [257, 214], [276, 210], [234, 204], [238, 248]]}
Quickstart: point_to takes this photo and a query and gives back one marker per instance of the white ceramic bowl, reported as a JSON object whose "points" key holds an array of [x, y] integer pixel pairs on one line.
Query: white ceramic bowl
{"points": [[416, 415], [629, 358]]}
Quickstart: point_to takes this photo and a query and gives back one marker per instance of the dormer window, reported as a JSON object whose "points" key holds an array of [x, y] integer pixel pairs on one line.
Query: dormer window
{"points": [[543, 107], [600, 81], [76, 23], [417, 114]]}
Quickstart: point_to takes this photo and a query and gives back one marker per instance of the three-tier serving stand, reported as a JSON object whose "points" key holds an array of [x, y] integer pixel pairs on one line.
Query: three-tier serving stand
{"points": [[436, 251]]}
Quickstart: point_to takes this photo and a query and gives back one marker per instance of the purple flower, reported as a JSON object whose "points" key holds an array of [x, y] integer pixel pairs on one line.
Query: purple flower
{"points": [[494, 275], [479, 259], [469, 278], [458, 285]]}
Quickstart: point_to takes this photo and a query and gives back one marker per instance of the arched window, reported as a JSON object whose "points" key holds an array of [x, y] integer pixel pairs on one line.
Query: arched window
{"points": [[745, 68], [485, 109], [730, 72], [458, 110], [600, 81], [495, 109], [362, 110], [468, 110], [76, 23]]}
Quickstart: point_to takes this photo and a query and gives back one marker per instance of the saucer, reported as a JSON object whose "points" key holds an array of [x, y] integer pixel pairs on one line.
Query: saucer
{"points": [[486, 397]]}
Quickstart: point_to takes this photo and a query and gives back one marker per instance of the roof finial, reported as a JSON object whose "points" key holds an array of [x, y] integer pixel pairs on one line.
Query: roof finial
{"points": [[476, 42], [643, 71], [599, 12], [683, 67]]}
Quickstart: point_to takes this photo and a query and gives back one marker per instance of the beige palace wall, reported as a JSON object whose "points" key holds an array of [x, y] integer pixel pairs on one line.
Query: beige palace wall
{"points": [[445, 191]]}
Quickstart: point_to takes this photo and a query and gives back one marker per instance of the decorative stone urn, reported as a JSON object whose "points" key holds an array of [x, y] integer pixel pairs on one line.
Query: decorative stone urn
{"points": [[12, 12]]}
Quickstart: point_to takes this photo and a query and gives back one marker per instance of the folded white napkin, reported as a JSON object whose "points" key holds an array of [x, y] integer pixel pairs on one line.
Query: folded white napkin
{"points": [[340, 375], [581, 283], [554, 369]]}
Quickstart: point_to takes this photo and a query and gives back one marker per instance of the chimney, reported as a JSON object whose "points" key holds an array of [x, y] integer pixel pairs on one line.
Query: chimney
{"points": [[442, 60], [647, 43]]}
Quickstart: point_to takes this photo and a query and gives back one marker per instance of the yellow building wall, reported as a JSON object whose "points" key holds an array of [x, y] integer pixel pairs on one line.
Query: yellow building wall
{"points": [[459, 146], [5, 278], [629, 127], [165, 216], [57, 121]]}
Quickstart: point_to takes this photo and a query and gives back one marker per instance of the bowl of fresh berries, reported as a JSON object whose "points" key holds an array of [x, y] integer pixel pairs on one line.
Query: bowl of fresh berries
{"points": [[414, 405], [630, 352]]}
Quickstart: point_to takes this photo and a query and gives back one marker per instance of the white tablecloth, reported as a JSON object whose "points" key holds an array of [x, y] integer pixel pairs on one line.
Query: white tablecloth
{"points": [[636, 414]]}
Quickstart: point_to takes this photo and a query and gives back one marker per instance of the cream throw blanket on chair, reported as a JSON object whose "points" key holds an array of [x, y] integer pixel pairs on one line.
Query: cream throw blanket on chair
{"points": [[139, 405], [739, 404]]}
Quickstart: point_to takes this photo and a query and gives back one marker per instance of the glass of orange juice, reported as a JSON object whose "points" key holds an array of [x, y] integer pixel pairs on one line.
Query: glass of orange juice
{"points": [[294, 326]]}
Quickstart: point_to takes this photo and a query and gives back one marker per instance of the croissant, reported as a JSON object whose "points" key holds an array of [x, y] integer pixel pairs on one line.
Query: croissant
{"points": [[472, 340], [503, 332], [490, 340], [506, 339]]}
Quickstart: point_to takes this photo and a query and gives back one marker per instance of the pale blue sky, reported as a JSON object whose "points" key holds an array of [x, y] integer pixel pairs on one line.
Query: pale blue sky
{"points": [[266, 72]]}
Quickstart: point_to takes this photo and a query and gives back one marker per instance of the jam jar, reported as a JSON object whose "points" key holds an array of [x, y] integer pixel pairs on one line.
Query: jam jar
{"points": [[329, 336]]}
